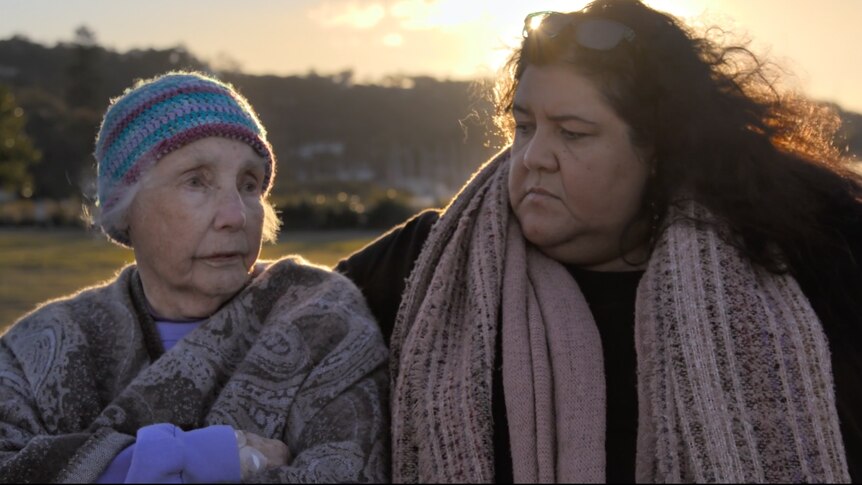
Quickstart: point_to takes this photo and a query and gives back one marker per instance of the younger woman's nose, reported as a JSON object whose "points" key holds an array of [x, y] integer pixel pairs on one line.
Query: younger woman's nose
{"points": [[539, 154]]}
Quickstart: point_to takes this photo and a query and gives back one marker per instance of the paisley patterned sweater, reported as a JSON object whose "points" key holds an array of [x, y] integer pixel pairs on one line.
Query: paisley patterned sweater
{"points": [[295, 355]]}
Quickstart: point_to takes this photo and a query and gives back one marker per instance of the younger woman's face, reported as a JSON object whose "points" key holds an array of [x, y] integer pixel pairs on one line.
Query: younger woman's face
{"points": [[575, 181]]}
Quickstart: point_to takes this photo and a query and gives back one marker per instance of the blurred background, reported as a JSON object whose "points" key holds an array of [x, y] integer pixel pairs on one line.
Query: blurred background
{"points": [[376, 109]]}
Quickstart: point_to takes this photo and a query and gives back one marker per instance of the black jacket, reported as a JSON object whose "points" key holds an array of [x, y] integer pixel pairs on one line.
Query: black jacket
{"points": [[833, 286]]}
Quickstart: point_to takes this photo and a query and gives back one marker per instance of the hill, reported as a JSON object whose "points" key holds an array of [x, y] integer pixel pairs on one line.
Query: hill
{"points": [[417, 135]]}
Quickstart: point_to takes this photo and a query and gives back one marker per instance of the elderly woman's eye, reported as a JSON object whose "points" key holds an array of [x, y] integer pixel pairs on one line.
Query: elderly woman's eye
{"points": [[251, 186], [196, 181]]}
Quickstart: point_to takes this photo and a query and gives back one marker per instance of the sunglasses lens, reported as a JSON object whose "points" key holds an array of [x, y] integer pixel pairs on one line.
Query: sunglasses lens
{"points": [[554, 23], [598, 34], [548, 23], [601, 34]]}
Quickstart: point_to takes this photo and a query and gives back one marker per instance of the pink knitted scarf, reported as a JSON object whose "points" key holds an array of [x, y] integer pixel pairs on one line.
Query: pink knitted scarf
{"points": [[734, 375]]}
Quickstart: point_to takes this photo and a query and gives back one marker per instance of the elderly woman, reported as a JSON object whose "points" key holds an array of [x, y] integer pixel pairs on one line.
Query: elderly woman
{"points": [[658, 281], [198, 363]]}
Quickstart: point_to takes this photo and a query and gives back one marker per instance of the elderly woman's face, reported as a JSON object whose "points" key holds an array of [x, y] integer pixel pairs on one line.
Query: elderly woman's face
{"points": [[575, 179], [196, 226]]}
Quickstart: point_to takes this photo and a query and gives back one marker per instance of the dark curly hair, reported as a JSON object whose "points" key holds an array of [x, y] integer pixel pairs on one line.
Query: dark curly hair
{"points": [[721, 133]]}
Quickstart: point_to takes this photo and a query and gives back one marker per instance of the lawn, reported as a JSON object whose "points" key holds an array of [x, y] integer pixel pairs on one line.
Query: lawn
{"points": [[38, 265]]}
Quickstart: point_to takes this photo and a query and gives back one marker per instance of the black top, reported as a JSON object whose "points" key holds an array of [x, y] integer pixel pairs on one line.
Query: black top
{"points": [[611, 297], [380, 270]]}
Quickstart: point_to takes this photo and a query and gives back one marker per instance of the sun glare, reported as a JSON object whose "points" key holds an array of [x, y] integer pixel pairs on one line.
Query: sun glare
{"points": [[535, 22], [506, 21], [486, 31], [352, 15]]}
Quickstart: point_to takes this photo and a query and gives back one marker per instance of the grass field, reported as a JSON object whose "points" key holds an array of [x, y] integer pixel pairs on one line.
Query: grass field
{"points": [[38, 265]]}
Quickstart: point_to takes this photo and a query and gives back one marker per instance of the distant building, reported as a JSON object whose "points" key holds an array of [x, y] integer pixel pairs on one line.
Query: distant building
{"points": [[432, 172], [310, 151]]}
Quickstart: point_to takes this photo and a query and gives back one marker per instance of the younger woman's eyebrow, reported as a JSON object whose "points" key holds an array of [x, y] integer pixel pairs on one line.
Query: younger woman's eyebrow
{"points": [[555, 118], [520, 109], [567, 117]]}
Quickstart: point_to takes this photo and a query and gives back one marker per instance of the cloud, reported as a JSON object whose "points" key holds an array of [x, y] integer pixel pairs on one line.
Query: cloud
{"points": [[408, 14], [431, 14], [354, 14], [393, 40]]}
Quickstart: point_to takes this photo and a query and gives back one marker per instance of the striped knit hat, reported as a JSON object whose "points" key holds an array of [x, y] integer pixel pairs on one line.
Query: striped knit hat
{"points": [[163, 114]]}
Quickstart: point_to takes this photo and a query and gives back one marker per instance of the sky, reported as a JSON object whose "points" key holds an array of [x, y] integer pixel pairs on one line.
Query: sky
{"points": [[817, 43]]}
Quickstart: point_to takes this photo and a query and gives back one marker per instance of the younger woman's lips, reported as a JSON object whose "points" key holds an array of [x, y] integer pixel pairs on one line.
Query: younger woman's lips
{"points": [[540, 192]]}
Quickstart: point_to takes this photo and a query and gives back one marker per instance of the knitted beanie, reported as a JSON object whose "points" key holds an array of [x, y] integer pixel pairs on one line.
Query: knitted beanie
{"points": [[163, 114]]}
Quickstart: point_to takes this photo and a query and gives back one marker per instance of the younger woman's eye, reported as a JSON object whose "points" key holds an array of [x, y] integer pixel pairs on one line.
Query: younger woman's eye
{"points": [[523, 128], [571, 135]]}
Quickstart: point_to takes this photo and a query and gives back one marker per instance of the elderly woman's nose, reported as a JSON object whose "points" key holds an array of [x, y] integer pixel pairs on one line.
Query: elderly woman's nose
{"points": [[231, 210], [539, 154]]}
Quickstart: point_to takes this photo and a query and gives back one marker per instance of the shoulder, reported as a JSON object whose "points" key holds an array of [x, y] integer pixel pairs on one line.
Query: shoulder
{"points": [[400, 244], [421, 222], [381, 268], [326, 308], [87, 306], [72, 328], [300, 287], [409, 234], [831, 276], [417, 226], [295, 274], [843, 220]]}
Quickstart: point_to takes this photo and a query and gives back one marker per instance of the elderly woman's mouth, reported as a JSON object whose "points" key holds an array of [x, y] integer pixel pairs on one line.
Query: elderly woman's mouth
{"points": [[222, 259]]}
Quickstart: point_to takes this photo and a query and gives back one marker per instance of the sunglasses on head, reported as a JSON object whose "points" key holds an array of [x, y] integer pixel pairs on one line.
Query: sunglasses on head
{"points": [[592, 33]]}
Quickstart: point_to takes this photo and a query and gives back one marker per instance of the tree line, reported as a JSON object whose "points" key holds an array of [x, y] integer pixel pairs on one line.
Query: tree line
{"points": [[405, 132], [343, 147]]}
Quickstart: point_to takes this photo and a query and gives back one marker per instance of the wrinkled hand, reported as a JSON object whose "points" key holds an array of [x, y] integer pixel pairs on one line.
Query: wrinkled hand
{"points": [[257, 453]]}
